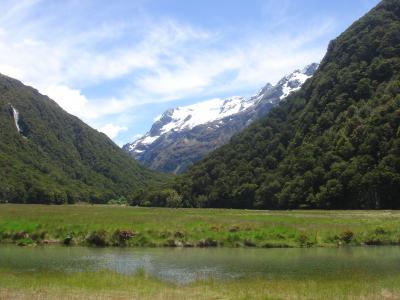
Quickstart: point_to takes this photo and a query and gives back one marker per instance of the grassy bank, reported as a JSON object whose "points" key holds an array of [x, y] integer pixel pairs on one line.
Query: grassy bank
{"points": [[156, 227], [116, 286]]}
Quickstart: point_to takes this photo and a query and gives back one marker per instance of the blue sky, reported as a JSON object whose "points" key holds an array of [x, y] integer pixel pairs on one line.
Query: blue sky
{"points": [[119, 64]]}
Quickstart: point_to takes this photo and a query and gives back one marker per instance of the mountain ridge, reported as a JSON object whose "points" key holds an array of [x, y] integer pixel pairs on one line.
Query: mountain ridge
{"points": [[334, 144], [183, 135], [50, 156]]}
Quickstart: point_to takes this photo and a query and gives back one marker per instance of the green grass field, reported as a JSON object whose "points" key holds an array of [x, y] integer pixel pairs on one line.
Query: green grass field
{"points": [[116, 286], [94, 225], [155, 227]]}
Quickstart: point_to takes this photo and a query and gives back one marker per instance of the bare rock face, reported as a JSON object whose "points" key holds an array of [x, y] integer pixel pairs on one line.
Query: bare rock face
{"points": [[183, 135]]}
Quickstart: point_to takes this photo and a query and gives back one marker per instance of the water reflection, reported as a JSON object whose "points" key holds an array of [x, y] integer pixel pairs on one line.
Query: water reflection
{"points": [[186, 265]]}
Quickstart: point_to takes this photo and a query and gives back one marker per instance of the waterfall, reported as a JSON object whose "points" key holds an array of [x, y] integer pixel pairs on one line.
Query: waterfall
{"points": [[16, 118]]}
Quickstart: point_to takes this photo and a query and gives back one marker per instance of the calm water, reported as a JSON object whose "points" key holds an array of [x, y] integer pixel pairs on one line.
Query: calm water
{"points": [[186, 265]]}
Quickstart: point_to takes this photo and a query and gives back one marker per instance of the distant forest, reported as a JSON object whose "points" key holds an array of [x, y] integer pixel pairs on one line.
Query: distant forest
{"points": [[334, 144]]}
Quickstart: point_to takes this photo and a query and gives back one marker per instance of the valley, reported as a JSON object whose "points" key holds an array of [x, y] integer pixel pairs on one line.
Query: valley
{"points": [[292, 193], [182, 136]]}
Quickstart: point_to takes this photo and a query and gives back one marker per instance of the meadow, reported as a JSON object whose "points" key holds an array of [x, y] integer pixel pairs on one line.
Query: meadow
{"points": [[116, 286], [106, 225]]}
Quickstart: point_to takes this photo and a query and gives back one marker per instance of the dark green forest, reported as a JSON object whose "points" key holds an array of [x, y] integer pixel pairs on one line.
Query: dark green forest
{"points": [[56, 158], [335, 144]]}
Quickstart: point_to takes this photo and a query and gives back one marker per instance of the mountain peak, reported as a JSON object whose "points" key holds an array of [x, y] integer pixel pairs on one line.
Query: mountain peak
{"points": [[310, 69], [292, 82], [209, 123]]}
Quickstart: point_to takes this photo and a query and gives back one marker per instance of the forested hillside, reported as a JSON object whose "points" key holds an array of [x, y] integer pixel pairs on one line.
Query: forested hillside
{"points": [[184, 135], [333, 144], [50, 156]]}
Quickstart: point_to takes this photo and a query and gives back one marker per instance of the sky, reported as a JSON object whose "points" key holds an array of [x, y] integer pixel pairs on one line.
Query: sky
{"points": [[117, 65]]}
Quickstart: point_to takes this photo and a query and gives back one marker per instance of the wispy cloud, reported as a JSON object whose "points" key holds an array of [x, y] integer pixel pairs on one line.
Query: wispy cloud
{"points": [[144, 60]]}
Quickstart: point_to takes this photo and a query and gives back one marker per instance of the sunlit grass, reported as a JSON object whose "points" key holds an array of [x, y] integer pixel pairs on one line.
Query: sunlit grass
{"points": [[156, 227], [106, 285]]}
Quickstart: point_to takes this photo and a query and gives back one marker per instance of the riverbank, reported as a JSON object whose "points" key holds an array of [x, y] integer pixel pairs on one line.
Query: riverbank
{"points": [[105, 225], [105, 285]]}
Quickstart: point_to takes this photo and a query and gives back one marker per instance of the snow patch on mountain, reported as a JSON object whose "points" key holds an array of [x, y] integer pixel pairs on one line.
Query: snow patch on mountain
{"points": [[147, 139], [187, 117], [215, 113], [292, 83]]}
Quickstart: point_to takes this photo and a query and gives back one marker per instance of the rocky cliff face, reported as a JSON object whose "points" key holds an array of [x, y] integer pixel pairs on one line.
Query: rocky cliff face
{"points": [[184, 135]]}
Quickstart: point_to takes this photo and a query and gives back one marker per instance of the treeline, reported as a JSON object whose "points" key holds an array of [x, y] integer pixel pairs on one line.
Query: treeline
{"points": [[334, 145]]}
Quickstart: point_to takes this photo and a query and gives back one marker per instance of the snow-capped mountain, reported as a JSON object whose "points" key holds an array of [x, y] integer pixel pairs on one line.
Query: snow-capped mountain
{"points": [[183, 135], [188, 117]]}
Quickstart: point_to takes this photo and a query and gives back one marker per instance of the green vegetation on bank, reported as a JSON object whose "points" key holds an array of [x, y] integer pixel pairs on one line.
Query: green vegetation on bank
{"points": [[56, 158], [106, 285], [102, 225], [334, 144]]}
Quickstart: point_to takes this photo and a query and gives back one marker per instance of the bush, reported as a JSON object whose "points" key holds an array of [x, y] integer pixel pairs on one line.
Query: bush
{"points": [[207, 243], [67, 240], [249, 243], [347, 236], [119, 201], [179, 234], [374, 241], [173, 199], [304, 241], [276, 245], [38, 236], [120, 237], [97, 238], [20, 235]]}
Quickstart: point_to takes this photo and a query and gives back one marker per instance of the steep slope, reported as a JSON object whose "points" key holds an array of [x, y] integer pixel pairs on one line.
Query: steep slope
{"points": [[184, 135], [50, 156], [333, 144]]}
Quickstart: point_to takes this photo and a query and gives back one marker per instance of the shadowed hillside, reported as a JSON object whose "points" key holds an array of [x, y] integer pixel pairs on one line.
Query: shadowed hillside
{"points": [[50, 156], [333, 144]]}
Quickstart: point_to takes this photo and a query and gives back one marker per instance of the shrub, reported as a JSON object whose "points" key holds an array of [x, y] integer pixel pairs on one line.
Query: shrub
{"points": [[97, 238], [249, 243], [67, 240], [20, 235], [179, 234], [173, 243], [276, 245], [120, 237], [25, 242], [347, 236], [38, 236], [173, 199], [207, 243], [304, 241], [373, 242], [119, 201]]}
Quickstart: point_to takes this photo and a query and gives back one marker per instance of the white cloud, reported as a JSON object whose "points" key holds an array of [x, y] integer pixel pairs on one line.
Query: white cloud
{"points": [[159, 61], [69, 99], [112, 130]]}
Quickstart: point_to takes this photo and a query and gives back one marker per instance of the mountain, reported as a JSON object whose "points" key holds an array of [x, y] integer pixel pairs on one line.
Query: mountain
{"points": [[50, 156], [334, 144], [184, 135]]}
